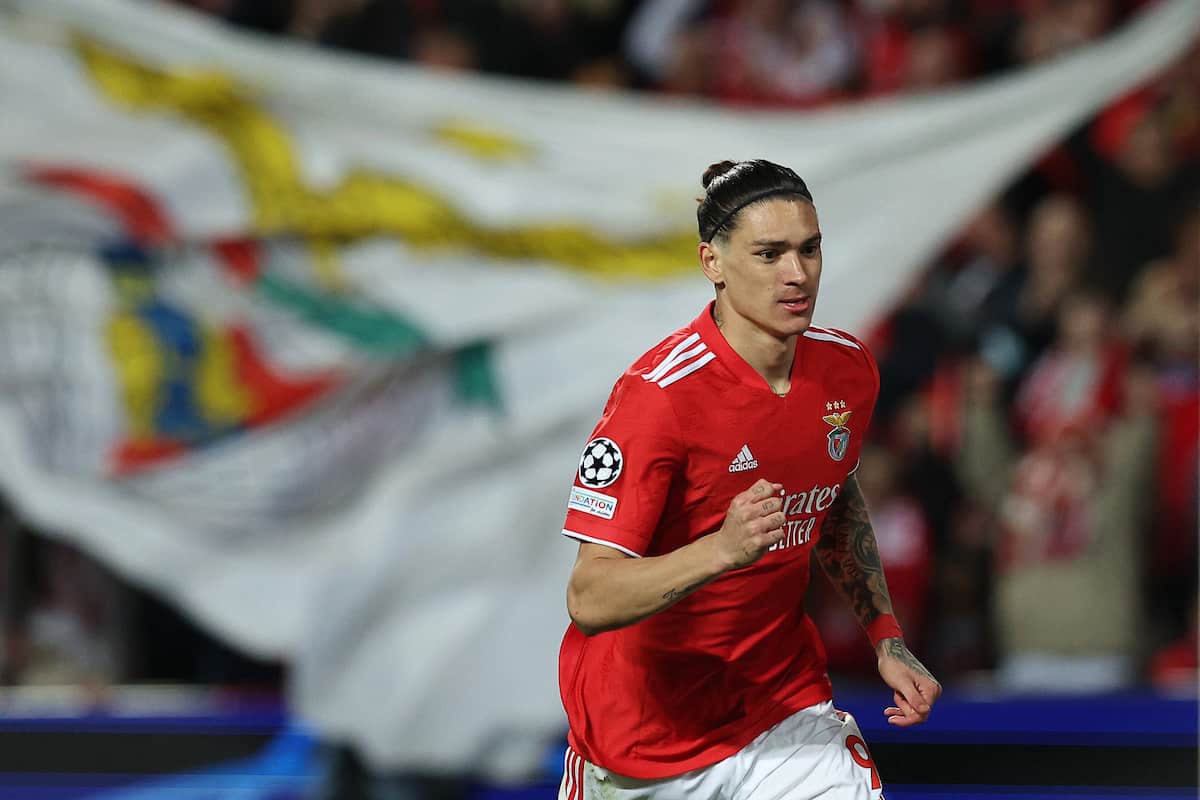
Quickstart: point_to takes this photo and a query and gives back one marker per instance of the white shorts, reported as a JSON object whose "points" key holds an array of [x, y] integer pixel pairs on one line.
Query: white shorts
{"points": [[818, 752]]}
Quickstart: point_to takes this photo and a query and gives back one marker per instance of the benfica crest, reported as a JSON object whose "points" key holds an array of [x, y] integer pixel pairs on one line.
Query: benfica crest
{"points": [[839, 437]]}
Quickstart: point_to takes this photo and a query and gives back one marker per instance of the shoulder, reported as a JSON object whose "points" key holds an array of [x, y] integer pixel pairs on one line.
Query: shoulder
{"points": [[840, 349], [836, 337], [637, 398], [679, 355], [645, 397]]}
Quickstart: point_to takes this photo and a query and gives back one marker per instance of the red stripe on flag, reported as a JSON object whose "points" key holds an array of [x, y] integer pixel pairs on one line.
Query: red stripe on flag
{"points": [[143, 215]]}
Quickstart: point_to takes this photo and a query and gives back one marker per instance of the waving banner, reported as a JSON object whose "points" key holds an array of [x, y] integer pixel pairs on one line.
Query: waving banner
{"points": [[309, 344]]}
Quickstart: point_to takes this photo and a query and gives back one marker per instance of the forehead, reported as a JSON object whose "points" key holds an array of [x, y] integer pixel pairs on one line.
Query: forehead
{"points": [[777, 219]]}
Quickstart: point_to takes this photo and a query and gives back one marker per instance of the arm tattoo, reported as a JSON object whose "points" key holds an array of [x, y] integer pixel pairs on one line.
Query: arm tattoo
{"points": [[898, 650], [675, 594], [847, 552]]}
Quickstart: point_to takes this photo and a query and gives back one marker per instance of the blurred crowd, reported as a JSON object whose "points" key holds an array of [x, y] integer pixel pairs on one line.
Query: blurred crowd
{"points": [[68, 620], [1033, 468], [796, 53]]}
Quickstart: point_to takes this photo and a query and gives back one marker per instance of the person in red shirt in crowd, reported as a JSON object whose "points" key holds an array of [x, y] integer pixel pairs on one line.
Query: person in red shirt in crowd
{"points": [[723, 462]]}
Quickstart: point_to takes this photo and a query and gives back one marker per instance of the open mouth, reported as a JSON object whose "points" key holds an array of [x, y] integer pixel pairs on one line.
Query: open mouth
{"points": [[797, 305]]}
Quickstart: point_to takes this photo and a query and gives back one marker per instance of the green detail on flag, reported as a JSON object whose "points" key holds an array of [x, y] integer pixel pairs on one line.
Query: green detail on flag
{"points": [[379, 332], [383, 333], [475, 378]]}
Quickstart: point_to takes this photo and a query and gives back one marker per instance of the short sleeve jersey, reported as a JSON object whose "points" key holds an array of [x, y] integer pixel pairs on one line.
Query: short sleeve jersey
{"points": [[687, 427]]}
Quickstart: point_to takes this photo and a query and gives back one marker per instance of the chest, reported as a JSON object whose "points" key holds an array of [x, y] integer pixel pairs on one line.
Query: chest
{"points": [[809, 441], [810, 437]]}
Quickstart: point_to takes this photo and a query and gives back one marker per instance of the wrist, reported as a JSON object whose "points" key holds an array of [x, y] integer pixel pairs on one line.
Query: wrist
{"points": [[883, 646], [719, 561], [882, 628]]}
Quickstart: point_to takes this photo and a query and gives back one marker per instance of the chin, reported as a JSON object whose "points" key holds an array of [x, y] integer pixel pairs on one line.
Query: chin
{"points": [[796, 325], [788, 328]]}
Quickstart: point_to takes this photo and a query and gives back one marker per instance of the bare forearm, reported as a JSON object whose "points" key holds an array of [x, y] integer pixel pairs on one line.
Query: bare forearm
{"points": [[849, 555], [609, 593]]}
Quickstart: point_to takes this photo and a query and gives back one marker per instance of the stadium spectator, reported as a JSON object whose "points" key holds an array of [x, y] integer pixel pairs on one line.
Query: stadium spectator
{"points": [[1057, 244], [1163, 321], [1138, 190], [74, 629], [1069, 512], [959, 298], [1077, 382], [775, 52], [771, 52], [1049, 29]]}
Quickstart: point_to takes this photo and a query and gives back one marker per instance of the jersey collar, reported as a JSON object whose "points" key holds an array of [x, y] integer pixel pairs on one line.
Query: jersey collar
{"points": [[711, 335]]}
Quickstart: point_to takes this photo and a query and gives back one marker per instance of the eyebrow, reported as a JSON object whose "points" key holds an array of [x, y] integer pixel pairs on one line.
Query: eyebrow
{"points": [[814, 239]]}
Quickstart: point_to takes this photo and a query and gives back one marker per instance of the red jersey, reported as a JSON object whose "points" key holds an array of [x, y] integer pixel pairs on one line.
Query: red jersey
{"points": [[686, 428]]}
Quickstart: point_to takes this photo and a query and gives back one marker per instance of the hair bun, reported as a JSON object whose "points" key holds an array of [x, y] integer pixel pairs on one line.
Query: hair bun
{"points": [[730, 186], [715, 171]]}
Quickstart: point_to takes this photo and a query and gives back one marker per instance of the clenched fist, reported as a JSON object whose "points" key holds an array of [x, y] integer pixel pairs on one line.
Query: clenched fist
{"points": [[753, 523]]}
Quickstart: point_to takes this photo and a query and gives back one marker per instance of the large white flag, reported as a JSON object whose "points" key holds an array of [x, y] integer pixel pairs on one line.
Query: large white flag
{"points": [[310, 344]]}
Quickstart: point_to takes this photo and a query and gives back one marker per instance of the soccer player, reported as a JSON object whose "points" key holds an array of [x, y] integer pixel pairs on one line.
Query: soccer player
{"points": [[723, 462]]}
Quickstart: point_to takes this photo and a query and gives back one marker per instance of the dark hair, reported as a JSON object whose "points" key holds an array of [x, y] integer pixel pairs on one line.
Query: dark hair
{"points": [[731, 186]]}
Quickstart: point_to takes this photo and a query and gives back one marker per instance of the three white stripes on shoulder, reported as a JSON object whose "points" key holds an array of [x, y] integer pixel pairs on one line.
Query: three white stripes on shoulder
{"points": [[688, 356]]}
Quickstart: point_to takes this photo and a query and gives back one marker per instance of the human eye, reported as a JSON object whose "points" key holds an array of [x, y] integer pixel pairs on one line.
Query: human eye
{"points": [[768, 255]]}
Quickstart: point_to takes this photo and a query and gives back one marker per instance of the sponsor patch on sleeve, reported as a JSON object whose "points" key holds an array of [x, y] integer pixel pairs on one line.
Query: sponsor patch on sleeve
{"points": [[594, 503]]}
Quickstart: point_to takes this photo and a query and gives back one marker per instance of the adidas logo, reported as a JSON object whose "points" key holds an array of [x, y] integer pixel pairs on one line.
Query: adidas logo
{"points": [[743, 461]]}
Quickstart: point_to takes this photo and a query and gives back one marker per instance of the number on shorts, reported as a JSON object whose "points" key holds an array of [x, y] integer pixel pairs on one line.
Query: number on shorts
{"points": [[862, 757]]}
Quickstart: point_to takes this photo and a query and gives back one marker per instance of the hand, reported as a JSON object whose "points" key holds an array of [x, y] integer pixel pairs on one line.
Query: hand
{"points": [[753, 523], [915, 690]]}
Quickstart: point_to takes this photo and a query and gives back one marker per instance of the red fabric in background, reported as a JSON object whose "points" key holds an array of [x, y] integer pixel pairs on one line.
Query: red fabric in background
{"points": [[1178, 454]]}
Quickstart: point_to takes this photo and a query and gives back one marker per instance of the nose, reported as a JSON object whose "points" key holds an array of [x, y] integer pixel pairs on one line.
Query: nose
{"points": [[793, 269]]}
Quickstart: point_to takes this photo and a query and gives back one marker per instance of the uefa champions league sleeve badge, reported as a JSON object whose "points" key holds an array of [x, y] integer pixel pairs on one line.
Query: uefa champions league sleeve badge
{"points": [[601, 463]]}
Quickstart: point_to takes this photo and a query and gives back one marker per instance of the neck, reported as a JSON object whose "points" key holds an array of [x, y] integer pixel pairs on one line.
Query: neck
{"points": [[769, 356]]}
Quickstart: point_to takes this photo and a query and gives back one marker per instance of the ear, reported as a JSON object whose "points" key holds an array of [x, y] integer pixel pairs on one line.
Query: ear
{"points": [[710, 263]]}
